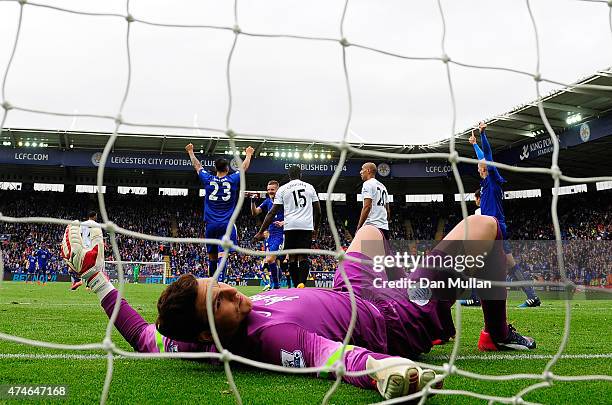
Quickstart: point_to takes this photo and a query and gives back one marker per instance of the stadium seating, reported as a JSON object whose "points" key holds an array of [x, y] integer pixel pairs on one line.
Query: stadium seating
{"points": [[582, 217]]}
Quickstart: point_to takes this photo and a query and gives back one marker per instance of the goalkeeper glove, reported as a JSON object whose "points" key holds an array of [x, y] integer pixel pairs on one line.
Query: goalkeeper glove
{"points": [[86, 262], [401, 377]]}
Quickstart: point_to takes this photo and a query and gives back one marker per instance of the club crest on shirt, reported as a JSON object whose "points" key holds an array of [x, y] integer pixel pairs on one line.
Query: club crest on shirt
{"points": [[419, 296], [293, 359]]}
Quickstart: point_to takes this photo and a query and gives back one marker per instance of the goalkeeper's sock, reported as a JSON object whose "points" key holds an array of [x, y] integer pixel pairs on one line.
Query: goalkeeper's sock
{"points": [[493, 300], [495, 321], [101, 285]]}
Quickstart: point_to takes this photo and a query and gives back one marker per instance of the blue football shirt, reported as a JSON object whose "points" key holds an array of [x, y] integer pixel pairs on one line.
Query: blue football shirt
{"points": [[43, 256], [221, 196], [266, 206], [31, 262]]}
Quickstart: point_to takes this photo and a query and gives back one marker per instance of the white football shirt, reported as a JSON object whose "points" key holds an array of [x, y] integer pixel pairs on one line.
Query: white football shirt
{"points": [[377, 192], [85, 232], [296, 198]]}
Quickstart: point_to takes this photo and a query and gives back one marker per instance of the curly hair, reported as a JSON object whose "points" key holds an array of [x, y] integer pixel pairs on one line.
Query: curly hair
{"points": [[178, 317]]}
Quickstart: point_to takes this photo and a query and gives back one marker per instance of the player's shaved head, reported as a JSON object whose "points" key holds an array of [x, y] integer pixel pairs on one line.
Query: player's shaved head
{"points": [[368, 171], [295, 172]]}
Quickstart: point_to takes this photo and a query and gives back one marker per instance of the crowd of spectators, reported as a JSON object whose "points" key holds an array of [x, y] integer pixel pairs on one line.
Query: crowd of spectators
{"points": [[586, 228], [586, 232]]}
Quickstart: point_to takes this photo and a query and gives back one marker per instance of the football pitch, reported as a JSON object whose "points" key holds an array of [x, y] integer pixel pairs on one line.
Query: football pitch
{"points": [[52, 313]]}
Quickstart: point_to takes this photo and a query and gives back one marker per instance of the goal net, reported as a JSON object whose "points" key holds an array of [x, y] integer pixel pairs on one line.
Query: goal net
{"points": [[138, 272], [538, 380]]}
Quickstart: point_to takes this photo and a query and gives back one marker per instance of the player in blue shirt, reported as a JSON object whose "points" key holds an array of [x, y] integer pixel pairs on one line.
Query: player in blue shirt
{"points": [[42, 256], [264, 269], [491, 198], [31, 266], [275, 239], [219, 202]]}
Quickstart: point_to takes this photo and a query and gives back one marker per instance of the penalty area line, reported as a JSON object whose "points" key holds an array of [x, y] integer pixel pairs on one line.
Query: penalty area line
{"points": [[40, 356], [517, 356]]}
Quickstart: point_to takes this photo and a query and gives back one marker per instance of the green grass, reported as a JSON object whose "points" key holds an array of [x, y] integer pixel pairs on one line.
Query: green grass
{"points": [[52, 313]]}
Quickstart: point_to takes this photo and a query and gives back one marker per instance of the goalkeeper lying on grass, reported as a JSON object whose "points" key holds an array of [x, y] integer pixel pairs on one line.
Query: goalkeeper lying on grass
{"points": [[304, 327]]}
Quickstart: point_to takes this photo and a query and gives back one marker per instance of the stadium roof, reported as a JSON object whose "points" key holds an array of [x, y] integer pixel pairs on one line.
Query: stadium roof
{"points": [[573, 101], [506, 129]]}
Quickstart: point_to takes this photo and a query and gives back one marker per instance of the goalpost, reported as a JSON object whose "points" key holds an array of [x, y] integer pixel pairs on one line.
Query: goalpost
{"points": [[138, 272], [541, 379]]}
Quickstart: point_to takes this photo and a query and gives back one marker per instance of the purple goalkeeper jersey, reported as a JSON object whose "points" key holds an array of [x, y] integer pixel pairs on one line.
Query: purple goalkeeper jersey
{"points": [[305, 327], [292, 328], [295, 328]]}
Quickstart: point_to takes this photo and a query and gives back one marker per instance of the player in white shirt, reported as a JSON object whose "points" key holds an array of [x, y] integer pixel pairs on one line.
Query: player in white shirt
{"points": [[92, 217], [375, 209], [477, 202], [302, 209]]}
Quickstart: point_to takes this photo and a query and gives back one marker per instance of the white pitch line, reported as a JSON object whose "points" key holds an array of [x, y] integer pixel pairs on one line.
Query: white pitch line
{"points": [[524, 356], [34, 356], [40, 356]]}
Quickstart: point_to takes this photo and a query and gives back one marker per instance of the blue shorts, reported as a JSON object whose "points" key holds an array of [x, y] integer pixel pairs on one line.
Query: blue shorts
{"points": [[216, 231], [274, 242], [504, 232], [32, 270]]}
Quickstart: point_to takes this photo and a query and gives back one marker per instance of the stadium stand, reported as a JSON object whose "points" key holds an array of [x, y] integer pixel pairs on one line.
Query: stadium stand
{"points": [[586, 216]]}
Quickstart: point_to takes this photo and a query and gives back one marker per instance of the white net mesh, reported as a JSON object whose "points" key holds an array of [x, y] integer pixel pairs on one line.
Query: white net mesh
{"points": [[544, 379]]}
